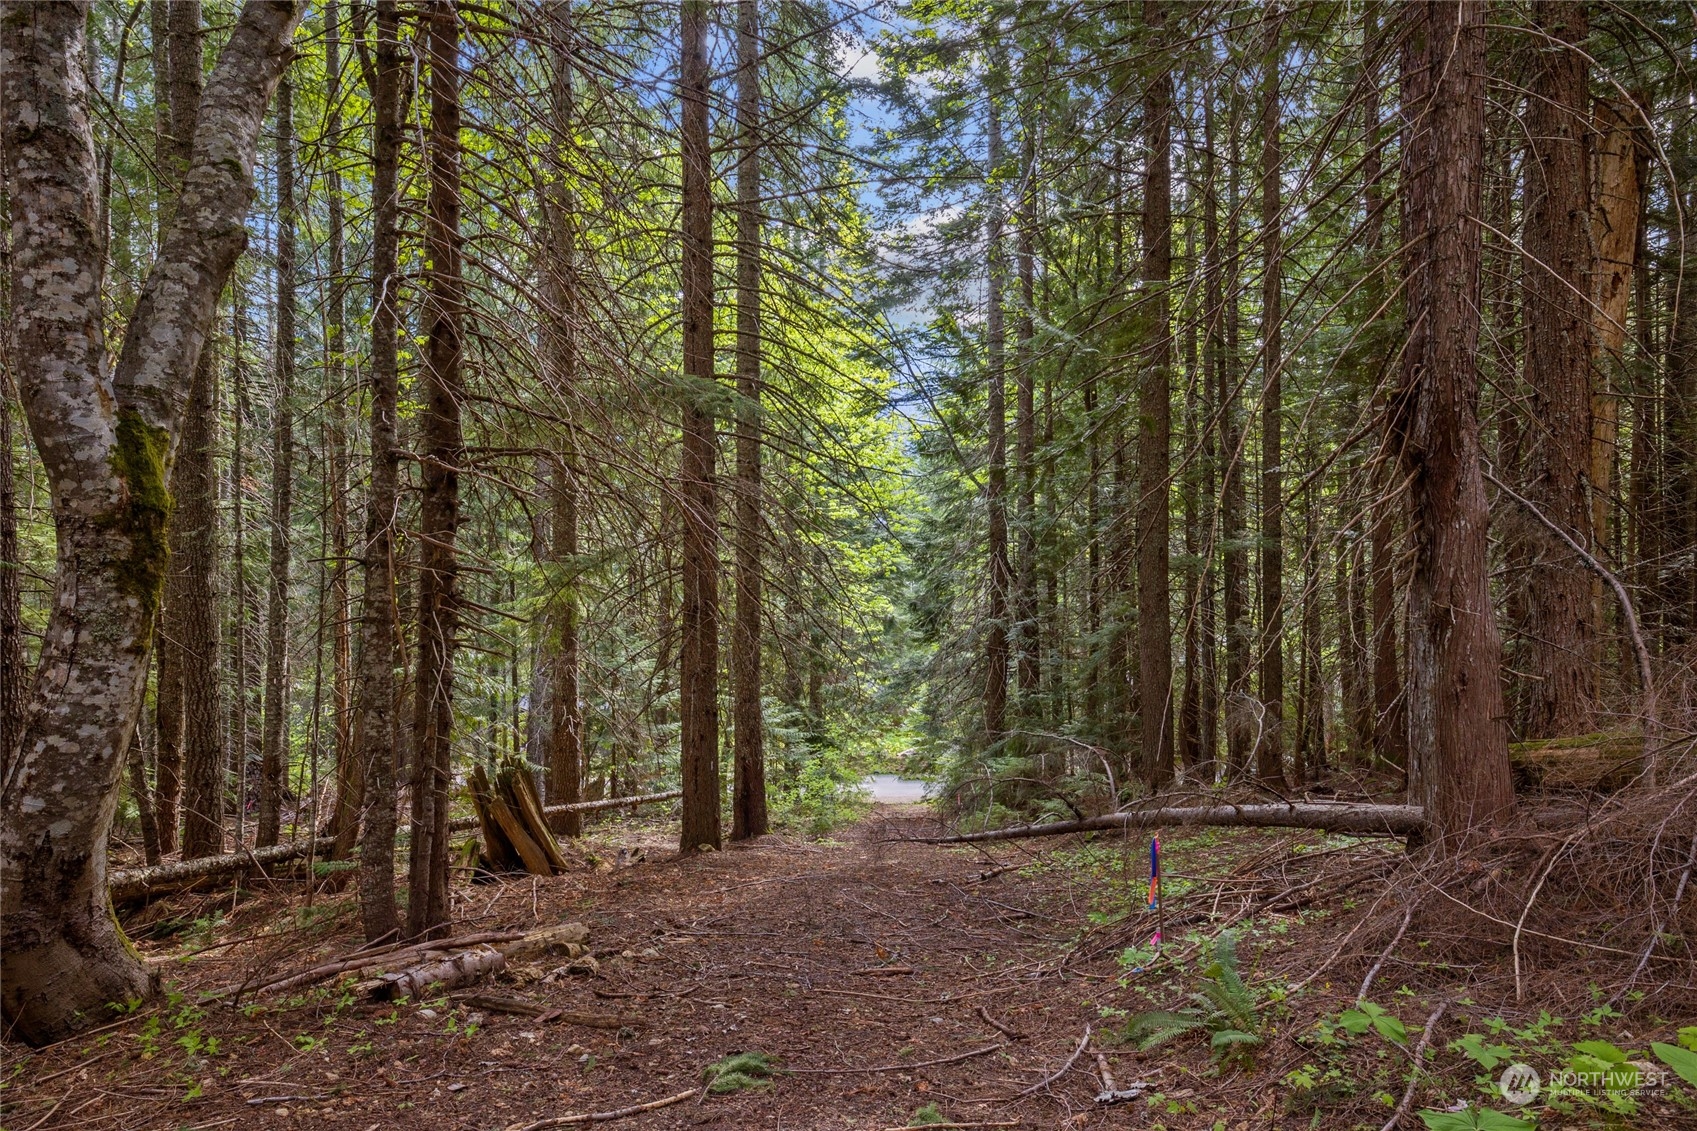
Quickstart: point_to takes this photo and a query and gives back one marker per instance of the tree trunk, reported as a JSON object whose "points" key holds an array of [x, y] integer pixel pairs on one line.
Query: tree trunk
{"points": [[748, 783], [439, 511], [106, 448], [1154, 435], [1615, 224], [1240, 704], [1388, 733], [1214, 450], [1556, 276], [1311, 690], [1270, 744], [564, 757], [698, 661], [999, 582], [194, 534], [1458, 738], [175, 29], [1027, 642], [274, 735], [350, 782], [375, 684]]}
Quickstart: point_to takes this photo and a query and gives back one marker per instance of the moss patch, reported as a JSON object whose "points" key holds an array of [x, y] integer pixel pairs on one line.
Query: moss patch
{"points": [[139, 460]]}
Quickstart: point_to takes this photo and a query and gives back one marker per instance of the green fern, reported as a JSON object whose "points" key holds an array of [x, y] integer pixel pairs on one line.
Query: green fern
{"points": [[1157, 1027], [1225, 1006]]}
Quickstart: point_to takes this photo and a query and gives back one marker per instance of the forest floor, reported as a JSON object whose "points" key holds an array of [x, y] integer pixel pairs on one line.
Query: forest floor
{"points": [[890, 982]]}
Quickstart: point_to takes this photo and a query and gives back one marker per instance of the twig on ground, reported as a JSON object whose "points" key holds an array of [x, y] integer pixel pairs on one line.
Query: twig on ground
{"points": [[1414, 1079], [1656, 933], [1006, 1031], [601, 1116], [1367, 982], [934, 1126], [1061, 1071]]}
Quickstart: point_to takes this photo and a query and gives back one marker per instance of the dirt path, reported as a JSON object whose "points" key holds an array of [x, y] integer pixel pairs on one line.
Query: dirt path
{"points": [[864, 968]]}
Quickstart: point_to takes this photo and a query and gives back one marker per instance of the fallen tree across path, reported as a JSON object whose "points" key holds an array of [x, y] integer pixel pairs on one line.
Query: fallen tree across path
{"points": [[1362, 819]]}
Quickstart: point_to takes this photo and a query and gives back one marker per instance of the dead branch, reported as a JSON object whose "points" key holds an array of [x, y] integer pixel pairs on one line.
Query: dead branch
{"points": [[601, 1116], [1010, 1033], [1652, 717], [1062, 1070], [524, 1007], [1414, 1080], [894, 1067]]}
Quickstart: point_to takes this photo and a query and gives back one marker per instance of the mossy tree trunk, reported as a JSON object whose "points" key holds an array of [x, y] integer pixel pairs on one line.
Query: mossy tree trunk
{"points": [[107, 448]]}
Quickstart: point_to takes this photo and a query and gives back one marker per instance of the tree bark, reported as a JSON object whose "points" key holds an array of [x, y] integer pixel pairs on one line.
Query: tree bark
{"points": [[1270, 744], [1615, 224], [565, 730], [1388, 733], [350, 782], [1027, 639], [1458, 738], [439, 511], [274, 735], [107, 451], [999, 581], [748, 782], [1214, 452], [175, 30], [1240, 704], [1154, 435], [698, 661], [1556, 276], [375, 684]]}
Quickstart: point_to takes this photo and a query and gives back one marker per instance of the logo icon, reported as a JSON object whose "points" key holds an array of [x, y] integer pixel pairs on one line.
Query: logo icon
{"points": [[1520, 1084]]}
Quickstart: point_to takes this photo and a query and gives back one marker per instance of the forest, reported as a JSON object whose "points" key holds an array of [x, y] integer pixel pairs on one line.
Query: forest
{"points": [[848, 563]]}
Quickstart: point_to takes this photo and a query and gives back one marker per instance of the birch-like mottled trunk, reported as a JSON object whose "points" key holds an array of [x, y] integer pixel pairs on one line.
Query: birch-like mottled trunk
{"points": [[106, 442]]}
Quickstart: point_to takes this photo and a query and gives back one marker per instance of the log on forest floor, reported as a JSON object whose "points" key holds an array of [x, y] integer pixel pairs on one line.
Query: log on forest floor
{"points": [[128, 884], [1361, 819], [1608, 761]]}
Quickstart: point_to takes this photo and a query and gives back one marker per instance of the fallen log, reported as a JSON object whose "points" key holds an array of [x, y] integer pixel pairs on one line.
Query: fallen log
{"points": [[386, 956], [1332, 817], [441, 971], [128, 884]]}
